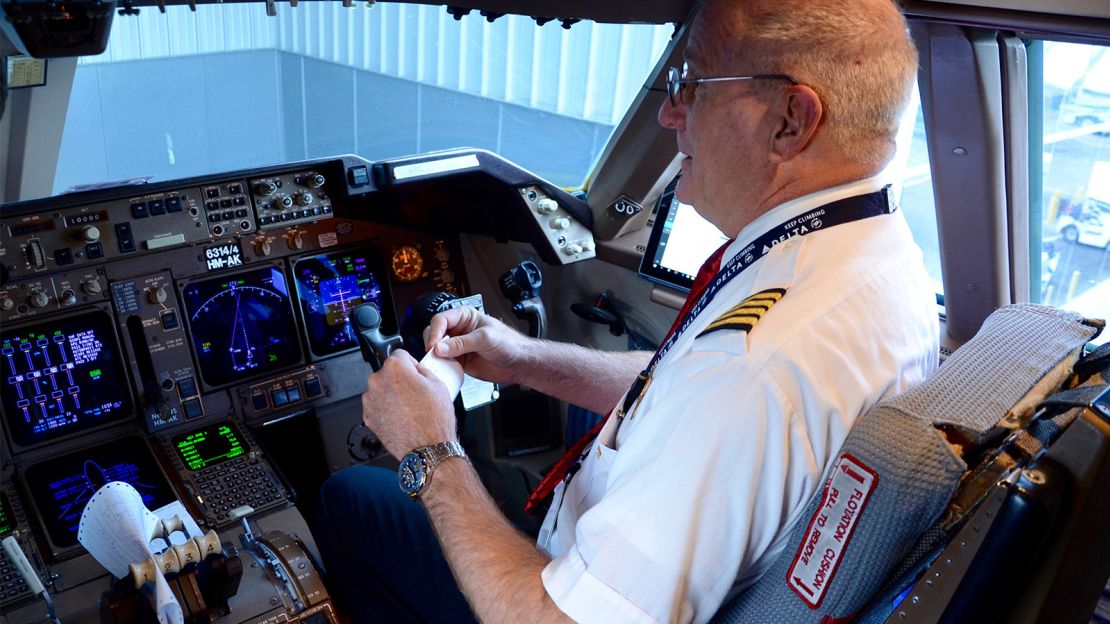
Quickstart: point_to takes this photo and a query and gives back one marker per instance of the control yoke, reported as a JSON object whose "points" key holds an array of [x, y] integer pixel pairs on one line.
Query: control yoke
{"points": [[375, 345], [521, 285]]}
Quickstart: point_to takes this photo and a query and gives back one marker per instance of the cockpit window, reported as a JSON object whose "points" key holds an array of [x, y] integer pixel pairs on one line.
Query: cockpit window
{"points": [[1074, 245], [914, 188], [227, 87]]}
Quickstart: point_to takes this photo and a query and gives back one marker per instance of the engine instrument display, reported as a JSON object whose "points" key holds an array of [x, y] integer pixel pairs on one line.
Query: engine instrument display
{"points": [[241, 326], [209, 446], [62, 376], [61, 487], [7, 515], [329, 287]]}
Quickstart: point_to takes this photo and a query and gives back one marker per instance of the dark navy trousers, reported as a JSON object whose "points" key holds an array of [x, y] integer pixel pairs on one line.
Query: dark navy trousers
{"points": [[383, 561]]}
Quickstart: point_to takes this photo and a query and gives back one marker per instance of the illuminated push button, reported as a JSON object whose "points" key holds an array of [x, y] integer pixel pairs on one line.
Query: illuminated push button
{"points": [[173, 204], [94, 251], [124, 238], [193, 408], [187, 387], [293, 394], [157, 207], [138, 210], [312, 387], [169, 320], [63, 256], [279, 397], [260, 401]]}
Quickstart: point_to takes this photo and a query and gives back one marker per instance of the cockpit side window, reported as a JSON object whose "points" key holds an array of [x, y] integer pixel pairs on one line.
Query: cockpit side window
{"points": [[1070, 121]]}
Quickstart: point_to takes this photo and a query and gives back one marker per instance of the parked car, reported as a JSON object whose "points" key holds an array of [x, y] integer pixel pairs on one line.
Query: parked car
{"points": [[1090, 227]]}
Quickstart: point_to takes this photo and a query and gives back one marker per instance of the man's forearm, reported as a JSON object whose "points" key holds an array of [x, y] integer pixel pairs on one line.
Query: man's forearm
{"points": [[586, 377], [496, 566]]}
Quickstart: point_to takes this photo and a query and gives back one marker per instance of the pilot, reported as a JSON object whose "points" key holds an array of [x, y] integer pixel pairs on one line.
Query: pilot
{"points": [[786, 113]]}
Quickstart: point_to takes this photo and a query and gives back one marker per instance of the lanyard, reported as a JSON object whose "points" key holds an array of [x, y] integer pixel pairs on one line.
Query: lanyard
{"points": [[832, 214]]}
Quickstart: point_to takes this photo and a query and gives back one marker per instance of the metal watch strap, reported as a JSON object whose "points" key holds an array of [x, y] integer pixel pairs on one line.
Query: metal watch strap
{"points": [[436, 453]]}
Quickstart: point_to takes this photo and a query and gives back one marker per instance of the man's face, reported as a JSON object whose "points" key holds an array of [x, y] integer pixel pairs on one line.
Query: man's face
{"points": [[717, 126]]}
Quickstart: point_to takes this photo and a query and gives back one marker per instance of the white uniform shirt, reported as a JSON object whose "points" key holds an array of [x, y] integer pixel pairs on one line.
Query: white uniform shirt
{"points": [[696, 496]]}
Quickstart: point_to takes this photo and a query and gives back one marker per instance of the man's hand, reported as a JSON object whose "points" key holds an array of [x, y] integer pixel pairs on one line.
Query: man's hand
{"points": [[486, 347], [407, 407]]}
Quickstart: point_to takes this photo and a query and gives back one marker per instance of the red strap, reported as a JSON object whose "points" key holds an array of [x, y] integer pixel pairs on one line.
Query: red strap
{"points": [[559, 471]]}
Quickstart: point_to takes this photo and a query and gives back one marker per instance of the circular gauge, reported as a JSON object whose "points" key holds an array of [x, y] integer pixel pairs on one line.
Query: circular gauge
{"points": [[407, 263]]}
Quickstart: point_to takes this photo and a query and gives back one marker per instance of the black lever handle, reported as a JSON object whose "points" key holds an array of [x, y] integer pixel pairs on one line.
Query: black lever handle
{"points": [[521, 285], [375, 345]]}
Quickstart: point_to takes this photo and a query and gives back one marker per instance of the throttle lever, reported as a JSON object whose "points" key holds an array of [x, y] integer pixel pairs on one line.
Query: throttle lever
{"points": [[375, 345]]}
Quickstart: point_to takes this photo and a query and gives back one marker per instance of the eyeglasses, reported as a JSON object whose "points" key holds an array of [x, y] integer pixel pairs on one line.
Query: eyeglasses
{"points": [[676, 82]]}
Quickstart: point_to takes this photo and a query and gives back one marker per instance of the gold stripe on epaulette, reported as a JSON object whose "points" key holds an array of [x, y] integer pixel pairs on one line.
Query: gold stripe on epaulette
{"points": [[744, 315]]}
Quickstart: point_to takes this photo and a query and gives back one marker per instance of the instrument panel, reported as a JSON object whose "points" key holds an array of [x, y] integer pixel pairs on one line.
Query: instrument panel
{"points": [[150, 334]]}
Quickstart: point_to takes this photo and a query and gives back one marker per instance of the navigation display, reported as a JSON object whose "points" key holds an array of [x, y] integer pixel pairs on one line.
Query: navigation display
{"points": [[680, 242], [241, 325], [61, 487], [61, 377], [329, 287], [209, 446], [7, 515]]}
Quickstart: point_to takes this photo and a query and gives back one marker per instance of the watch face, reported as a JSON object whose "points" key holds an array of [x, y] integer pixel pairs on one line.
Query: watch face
{"points": [[410, 476]]}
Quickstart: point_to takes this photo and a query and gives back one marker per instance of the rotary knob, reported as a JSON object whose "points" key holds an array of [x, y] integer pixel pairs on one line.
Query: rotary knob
{"points": [[7, 304], [90, 234], [284, 201], [560, 223], [262, 248], [303, 198], [91, 287], [315, 180], [157, 294], [573, 249], [69, 297], [296, 241], [265, 188], [39, 299], [547, 205]]}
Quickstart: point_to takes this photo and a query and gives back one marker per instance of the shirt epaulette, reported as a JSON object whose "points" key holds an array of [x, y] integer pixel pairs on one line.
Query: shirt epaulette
{"points": [[746, 314]]}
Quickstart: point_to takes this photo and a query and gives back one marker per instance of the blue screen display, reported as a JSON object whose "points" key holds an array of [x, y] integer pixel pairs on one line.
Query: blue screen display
{"points": [[241, 325], [61, 487], [61, 377], [329, 287]]}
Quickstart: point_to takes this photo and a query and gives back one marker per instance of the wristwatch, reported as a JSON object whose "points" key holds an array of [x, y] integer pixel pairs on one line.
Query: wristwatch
{"points": [[417, 465]]}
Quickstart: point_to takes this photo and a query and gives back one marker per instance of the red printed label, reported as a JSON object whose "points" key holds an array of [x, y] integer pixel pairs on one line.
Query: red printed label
{"points": [[846, 494]]}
